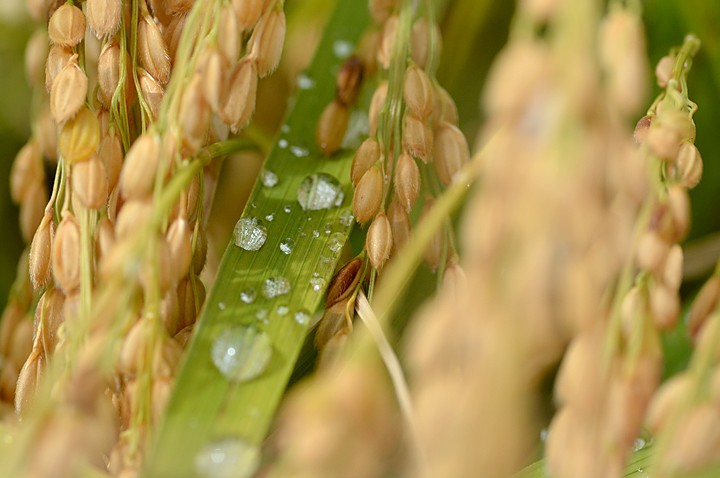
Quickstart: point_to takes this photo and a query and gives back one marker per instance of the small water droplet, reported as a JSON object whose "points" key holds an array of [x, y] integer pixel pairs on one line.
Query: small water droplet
{"points": [[336, 242], [248, 295], [275, 286], [250, 234], [241, 353], [302, 317], [287, 208], [253, 205], [270, 217], [227, 458], [268, 178], [262, 315], [287, 245], [285, 128], [317, 283], [320, 191], [316, 233], [544, 435], [282, 143], [639, 444], [304, 82], [346, 218], [328, 227], [299, 151], [343, 49], [282, 310], [221, 305]]}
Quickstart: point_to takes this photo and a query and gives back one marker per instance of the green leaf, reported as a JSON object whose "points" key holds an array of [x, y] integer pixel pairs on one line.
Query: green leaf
{"points": [[205, 406]]}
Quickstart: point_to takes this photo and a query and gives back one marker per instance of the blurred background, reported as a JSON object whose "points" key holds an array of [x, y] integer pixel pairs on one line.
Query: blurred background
{"points": [[473, 31]]}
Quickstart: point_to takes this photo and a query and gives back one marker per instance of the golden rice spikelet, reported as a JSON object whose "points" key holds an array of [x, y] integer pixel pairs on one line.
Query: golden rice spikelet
{"points": [[134, 214], [194, 115], [331, 127], [28, 380], [173, 32], [66, 254], [110, 153], [108, 71], [266, 43], [365, 157], [48, 318], [420, 41], [90, 183], [137, 177], [668, 131], [41, 251], [32, 209], [664, 305], [104, 237], [387, 42], [36, 53], [379, 241], [376, 105], [407, 181], [152, 50], [103, 16], [152, 91], [230, 33], [248, 12], [349, 80], [400, 224], [380, 10], [240, 102], [663, 70], [368, 195], [651, 252], [673, 273], [57, 58], [214, 82], [46, 133], [418, 92], [67, 25], [179, 238], [688, 165], [417, 138], [679, 206], [158, 269], [451, 152], [27, 170], [444, 109], [68, 92], [79, 137]]}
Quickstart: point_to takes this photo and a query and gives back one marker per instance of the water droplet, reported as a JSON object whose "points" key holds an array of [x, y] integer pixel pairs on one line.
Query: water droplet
{"points": [[287, 208], [270, 217], [285, 128], [275, 286], [302, 317], [316, 233], [544, 434], [320, 191], [227, 458], [343, 49], [253, 205], [248, 295], [282, 143], [346, 218], [287, 245], [221, 305], [282, 310], [336, 242], [328, 227], [268, 178], [262, 315], [250, 234], [317, 283], [304, 82], [299, 151], [357, 130], [241, 353], [639, 444]]}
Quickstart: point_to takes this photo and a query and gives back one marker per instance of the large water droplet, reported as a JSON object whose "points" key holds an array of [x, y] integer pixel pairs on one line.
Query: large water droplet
{"points": [[317, 283], [304, 82], [342, 49], [320, 191], [241, 353], [248, 295], [250, 234], [299, 151], [287, 245], [227, 458], [275, 286], [346, 218], [302, 317], [268, 178]]}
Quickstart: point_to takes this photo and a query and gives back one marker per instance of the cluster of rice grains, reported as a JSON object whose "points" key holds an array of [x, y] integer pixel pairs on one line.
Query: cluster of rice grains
{"points": [[102, 309]]}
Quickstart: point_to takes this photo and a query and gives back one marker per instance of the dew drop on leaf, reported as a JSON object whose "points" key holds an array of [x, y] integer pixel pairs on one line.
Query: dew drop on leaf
{"points": [[248, 295], [302, 317], [269, 179], [250, 234], [241, 353], [287, 245], [227, 458], [275, 286], [320, 191]]}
